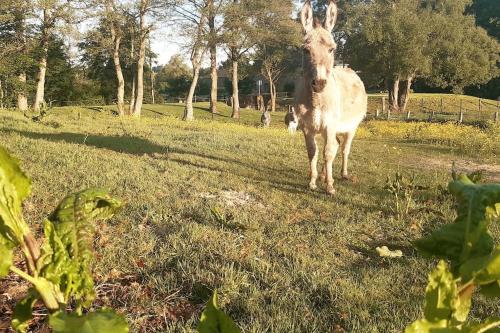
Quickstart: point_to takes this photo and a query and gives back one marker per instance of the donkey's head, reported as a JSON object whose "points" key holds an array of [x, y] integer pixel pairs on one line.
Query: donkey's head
{"points": [[319, 46]]}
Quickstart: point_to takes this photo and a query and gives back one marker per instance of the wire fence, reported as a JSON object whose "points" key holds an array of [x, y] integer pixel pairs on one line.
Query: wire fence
{"points": [[437, 109]]}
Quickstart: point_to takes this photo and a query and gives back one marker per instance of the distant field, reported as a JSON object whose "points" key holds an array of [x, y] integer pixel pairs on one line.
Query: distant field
{"points": [[440, 107], [283, 258]]}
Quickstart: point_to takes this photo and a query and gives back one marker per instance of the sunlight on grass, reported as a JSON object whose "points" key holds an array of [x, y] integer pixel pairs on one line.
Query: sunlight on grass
{"points": [[217, 203]]}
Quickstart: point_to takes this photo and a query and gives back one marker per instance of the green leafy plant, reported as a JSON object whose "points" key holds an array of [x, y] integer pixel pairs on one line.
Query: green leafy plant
{"points": [[402, 190], [474, 262], [213, 320], [59, 270]]}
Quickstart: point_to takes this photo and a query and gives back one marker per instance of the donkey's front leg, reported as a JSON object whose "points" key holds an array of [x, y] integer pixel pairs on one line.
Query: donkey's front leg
{"points": [[331, 147], [312, 152]]}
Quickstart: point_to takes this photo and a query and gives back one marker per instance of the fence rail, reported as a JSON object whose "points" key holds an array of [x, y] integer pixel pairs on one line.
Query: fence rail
{"points": [[422, 108], [447, 108]]}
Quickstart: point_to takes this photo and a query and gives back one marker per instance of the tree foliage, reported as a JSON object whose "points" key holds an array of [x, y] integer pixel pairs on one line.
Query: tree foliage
{"points": [[174, 78], [420, 38]]}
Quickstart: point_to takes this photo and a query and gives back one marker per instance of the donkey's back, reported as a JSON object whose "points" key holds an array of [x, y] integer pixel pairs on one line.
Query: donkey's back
{"points": [[351, 98]]}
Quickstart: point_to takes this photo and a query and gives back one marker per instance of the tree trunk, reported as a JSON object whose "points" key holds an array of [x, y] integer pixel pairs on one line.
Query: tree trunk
{"points": [[393, 86], [120, 92], [236, 100], [213, 57], [404, 94], [272, 90], [120, 89], [1, 95], [188, 110], [42, 65], [140, 61], [213, 79], [22, 99], [40, 87], [152, 74], [134, 79], [273, 97]]}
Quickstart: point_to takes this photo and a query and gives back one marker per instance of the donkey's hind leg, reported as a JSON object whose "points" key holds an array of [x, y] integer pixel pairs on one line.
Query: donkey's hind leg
{"points": [[346, 149], [331, 147], [323, 170]]}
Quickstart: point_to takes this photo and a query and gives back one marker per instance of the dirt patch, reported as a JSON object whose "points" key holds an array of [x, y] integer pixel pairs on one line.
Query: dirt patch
{"points": [[490, 172], [231, 198]]}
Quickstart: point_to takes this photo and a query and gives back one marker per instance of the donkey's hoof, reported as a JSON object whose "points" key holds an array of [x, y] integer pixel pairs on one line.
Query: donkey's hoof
{"points": [[330, 190], [312, 186], [352, 179]]}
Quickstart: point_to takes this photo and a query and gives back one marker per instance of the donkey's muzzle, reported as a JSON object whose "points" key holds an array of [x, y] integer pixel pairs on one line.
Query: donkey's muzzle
{"points": [[318, 85]]}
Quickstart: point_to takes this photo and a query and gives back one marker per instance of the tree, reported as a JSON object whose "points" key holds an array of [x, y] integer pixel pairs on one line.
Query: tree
{"points": [[213, 40], [273, 62], [142, 10], [487, 13], [277, 49], [194, 19], [461, 53], [60, 80], [395, 41], [174, 78], [112, 18], [16, 45], [52, 11]]}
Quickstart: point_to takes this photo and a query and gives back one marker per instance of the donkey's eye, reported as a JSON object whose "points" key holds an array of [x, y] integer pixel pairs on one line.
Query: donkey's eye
{"points": [[332, 50]]}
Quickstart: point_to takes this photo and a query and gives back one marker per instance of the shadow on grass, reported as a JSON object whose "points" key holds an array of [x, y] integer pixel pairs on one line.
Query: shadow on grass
{"points": [[122, 144], [94, 108], [275, 177]]}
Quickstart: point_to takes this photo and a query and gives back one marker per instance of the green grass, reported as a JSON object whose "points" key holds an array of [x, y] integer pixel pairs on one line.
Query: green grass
{"points": [[422, 105], [284, 259]]}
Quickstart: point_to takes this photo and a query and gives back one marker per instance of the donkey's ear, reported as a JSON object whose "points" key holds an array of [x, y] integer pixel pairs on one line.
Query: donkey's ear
{"points": [[331, 15], [306, 16]]}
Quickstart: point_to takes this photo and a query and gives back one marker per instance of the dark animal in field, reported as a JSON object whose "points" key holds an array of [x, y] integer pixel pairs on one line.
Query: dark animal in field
{"points": [[291, 120], [265, 119]]}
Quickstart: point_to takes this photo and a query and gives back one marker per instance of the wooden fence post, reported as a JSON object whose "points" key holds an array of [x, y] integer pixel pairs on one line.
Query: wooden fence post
{"points": [[377, 111], [383, 105], [441, 105], [480, 105], [388, 111], [461, 116], [408, 114]]}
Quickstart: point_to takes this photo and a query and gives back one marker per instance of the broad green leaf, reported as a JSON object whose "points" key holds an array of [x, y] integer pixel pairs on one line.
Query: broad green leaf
{"points": [[66, 255], [468, 237], [442, 301], [5, 256], [213, 320], [484, 270], [102, 321], [22, 312], [425, 326], [14, 188]]}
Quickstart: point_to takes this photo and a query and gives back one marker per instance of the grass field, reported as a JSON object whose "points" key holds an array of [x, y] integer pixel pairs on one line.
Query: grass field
{"points": [[218, 203]]}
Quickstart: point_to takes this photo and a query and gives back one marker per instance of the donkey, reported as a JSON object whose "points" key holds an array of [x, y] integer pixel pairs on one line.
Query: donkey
{"points": [[265, 119], [329, 101], [291, 120]]}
